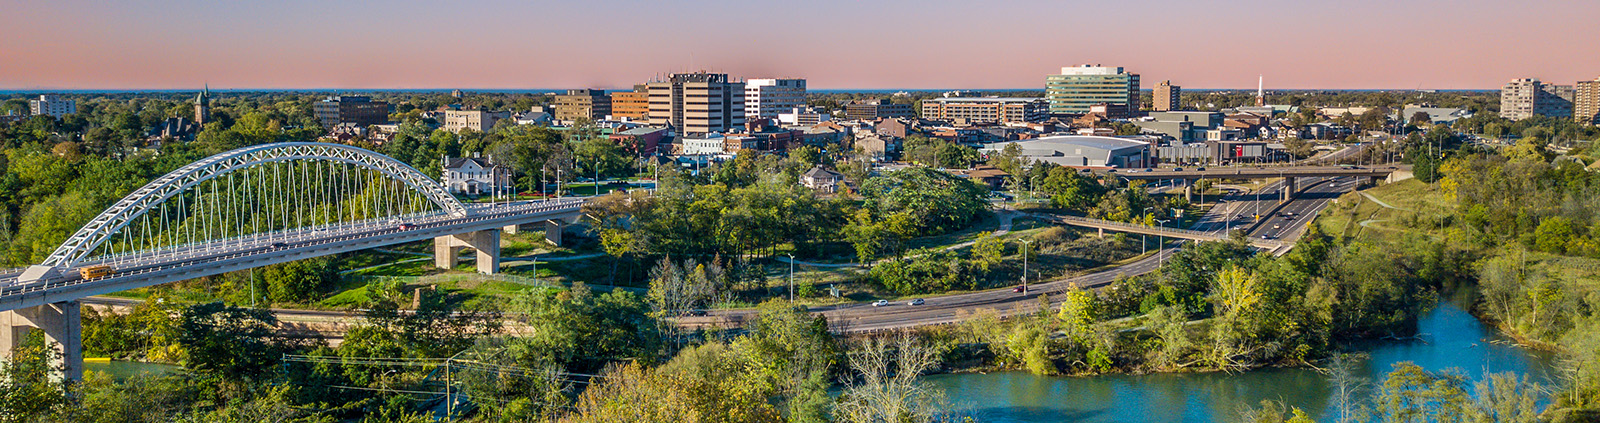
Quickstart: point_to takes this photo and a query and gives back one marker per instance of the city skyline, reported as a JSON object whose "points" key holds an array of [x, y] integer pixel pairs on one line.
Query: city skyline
{"points": [[1478, 45]]}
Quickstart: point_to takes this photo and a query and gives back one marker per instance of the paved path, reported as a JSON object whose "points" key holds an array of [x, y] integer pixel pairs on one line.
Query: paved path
{"points": [[1380, 202]]}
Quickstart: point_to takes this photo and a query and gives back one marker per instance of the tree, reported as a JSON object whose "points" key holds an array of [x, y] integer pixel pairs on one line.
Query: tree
{"points": [[1421, 118], [890, 388], [228, 341], [1411, 394], [29, 387], [988, 250]]}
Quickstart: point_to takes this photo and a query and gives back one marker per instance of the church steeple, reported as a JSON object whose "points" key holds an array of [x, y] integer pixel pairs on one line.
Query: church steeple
{"points": [[202, 105]]}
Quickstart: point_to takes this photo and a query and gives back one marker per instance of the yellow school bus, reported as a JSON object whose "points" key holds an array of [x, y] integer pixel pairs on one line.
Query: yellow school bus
{"points": [[96, 271]]}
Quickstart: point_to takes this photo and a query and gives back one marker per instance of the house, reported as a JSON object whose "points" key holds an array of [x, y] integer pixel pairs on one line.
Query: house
{"points": [[474, 176], [878, 147], [986, 175], [822, 179], [535, 116]]}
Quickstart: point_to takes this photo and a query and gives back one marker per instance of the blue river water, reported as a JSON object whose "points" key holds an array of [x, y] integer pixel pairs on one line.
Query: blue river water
{"points": [[1449, 338]]}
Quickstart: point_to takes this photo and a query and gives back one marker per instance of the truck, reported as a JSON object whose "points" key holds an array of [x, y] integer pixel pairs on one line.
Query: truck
{"points": [[96, 271]]}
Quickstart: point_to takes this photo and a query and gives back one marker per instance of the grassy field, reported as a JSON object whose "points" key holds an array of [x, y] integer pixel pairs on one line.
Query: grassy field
{"points": [[1411, 205]]}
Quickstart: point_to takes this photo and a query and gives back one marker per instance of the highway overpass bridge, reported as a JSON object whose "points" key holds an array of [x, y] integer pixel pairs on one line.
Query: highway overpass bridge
{"points": [[253, 207], [1107, 225], [1287, 173]]}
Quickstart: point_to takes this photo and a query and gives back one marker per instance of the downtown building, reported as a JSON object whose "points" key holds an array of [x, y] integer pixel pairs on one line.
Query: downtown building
{"points": [[53, 106], [875, 109], [697, 103], [1077, 89], [1166, 97], [1586, 102], [588, 104], [631, 105], [986, 109], [1527, 97], [359, 111], [766, 98]]}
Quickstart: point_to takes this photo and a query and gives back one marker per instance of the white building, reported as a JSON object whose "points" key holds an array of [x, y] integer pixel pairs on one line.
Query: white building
{"points": [[474, 176], [766, 98], [477, 120], [52, 105], [1083, 151], [701, 144], [803, 116]]}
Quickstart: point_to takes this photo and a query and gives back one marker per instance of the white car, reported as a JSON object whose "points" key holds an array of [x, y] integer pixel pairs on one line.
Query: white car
{"points": [[880, 303], [917, 302]]}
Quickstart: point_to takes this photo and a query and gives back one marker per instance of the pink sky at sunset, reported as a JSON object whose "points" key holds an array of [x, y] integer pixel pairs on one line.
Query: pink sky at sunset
{"points": [[1433, 44]]}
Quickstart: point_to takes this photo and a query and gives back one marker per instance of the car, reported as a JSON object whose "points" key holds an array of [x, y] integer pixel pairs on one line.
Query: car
{"points": [[1149, 170], [1288, 218], [1276, 227], [880, 303], [279, 245], [1177, 169], [917, 302], [406, 226], [1200, 169], [1020, 289], [1268, 237], [697, 312], [1086, 170], [1111, 171]]}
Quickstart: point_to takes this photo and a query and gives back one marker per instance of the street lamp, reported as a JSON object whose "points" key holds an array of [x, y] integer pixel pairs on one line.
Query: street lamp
{"points": [[791, 277]]}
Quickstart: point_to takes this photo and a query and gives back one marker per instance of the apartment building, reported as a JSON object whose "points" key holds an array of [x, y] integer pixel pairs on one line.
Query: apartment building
{"points": [[1076, 89], [1528, 97], [53, 106], [876, 108], [582, 104], [1166, 97], [697, 103], [477, 120], [766, 98], [1586, 102], [986, 109], [358, 111]]}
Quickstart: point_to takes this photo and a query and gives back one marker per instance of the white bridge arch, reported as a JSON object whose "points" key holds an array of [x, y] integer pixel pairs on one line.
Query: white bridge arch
{"points": [[135, 204]]}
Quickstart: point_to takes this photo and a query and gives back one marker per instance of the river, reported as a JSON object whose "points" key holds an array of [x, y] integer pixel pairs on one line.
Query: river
{"points": [[1449, 338]]}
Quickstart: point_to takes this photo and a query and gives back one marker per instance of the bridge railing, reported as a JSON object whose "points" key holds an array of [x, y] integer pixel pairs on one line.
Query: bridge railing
{"points": [[169, 263]]}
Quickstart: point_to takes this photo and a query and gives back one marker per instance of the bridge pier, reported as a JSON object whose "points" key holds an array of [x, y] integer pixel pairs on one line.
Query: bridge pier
{"points": [[552, 231], [511, 229], [62, 325], [1288, 189], [1188, 192], [485, 243]]}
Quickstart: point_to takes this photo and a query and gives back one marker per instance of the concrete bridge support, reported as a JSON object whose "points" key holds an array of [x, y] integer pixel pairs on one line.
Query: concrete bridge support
{"points": [[486, 243], [1288, 189], [62, 325], [552, 231]]}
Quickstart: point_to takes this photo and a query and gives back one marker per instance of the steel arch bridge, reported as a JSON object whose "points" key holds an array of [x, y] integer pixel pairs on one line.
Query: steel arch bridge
{"points": [[143, 200], [253, 207]]}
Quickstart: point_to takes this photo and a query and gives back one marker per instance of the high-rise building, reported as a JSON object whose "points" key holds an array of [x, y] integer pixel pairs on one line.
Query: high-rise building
{"points": [[632, 105], [1077, 89], [202, 106], [477, 120], [358, 110], [582, 104], [876, 108], [697, 103], [986, 109], [1527, 97], [766, 98], [1166, 97], [53, 106], [1586, 102]]}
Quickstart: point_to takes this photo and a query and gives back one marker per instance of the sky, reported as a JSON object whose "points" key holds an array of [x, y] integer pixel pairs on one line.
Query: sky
{"points": [[931, 44]]}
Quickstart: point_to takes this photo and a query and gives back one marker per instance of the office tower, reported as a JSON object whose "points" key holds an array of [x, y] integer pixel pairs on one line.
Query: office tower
{"points": [[1527, 97], [631, 105], [697, 103], [1586, 102], [582, 104], [766, 98], [1076, 89]]}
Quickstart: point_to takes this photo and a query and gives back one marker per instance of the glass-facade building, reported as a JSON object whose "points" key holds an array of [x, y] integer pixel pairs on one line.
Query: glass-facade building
{"points": [[1076, 89]]}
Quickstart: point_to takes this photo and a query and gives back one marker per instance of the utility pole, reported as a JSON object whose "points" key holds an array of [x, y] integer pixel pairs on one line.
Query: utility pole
{"points": [[1161, 251], [1026, 245], [791, 277]]}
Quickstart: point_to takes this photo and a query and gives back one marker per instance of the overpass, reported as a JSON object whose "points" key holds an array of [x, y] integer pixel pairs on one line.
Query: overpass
{"points": [[1287, 173], [1107, 225], [248, 208]]}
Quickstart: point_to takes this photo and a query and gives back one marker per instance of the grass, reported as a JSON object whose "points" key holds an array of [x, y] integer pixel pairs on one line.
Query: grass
{"points": [[1418, 206]]}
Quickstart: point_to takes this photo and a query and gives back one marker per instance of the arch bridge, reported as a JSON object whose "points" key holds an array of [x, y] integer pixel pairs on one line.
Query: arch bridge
{"points": [[253, 207]]}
